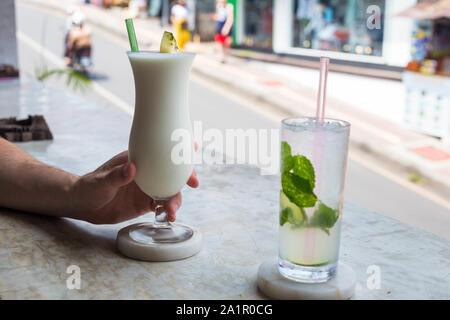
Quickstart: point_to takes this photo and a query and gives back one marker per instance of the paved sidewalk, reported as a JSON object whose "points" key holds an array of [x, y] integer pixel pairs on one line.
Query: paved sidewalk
{"points": [[291, 96]]}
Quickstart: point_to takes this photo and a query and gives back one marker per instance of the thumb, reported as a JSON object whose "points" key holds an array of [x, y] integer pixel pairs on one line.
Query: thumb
{"points": [[120, 175]]}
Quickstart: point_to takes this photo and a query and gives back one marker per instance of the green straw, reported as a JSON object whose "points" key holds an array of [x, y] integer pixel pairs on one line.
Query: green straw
{"points": [[131, 35]]}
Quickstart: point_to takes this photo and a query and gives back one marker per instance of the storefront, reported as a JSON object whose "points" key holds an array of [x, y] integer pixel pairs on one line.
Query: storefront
{"points": [[427, 76], [338, 26], [258, 24], [350, 30]]}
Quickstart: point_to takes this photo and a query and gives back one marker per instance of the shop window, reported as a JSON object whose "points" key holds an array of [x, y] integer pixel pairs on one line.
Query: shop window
{"points": [[258, 23], [339, 25]]}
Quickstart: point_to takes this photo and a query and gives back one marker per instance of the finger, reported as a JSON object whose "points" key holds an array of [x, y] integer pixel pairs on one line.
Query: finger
{"points": [[120, 175], [118, 159], [193, 180], [172, 206]]}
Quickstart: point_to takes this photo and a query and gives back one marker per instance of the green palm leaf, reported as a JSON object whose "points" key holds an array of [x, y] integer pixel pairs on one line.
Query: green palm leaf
{"points": [[74, 80]]}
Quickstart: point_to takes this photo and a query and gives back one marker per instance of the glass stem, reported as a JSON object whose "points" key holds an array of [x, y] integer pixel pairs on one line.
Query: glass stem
{"points": [[161, 216]]}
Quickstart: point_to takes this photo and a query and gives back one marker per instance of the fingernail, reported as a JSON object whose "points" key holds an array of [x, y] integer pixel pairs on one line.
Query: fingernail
{"points": [[126, 170]]}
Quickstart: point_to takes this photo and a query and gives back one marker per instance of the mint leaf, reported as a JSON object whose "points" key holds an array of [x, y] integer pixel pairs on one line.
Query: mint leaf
{"points": [[300, 165], [324, 217], [284, 215], [286, 157], [304, 169], [298, 190]]}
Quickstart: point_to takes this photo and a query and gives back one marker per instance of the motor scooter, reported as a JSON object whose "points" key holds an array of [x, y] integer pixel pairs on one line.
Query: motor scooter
{"points": [[81, 61]]}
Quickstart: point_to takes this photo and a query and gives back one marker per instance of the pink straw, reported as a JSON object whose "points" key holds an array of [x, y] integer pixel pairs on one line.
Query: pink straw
{"points": [[310, 238], [321, 97]]}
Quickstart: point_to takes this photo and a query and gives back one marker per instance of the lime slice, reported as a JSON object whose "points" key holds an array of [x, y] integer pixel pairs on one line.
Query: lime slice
{"points": [[296, 215], [168, 43]]}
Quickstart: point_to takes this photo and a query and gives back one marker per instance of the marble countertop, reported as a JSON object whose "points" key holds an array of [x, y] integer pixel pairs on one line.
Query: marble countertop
{"points": [[235, 208]]}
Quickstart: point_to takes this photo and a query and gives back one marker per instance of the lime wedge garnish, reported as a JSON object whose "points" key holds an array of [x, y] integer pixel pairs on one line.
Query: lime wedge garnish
{"points": [[290, 212], [168, 43]]}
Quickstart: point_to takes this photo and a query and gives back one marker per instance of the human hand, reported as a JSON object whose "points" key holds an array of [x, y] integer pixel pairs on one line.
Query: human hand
{"points": [[109, 194]]}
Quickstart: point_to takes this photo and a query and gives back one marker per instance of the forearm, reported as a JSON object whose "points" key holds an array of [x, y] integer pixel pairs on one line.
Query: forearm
{"points": [[230, 18], [227, 26], [29, 185]]}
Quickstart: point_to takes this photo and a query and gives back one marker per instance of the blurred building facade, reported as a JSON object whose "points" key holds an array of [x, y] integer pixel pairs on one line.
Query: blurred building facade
{"points": [[365, 31], [8, 42]]}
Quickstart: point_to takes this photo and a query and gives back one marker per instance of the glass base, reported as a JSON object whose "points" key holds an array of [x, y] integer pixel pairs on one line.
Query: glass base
{"points": [[148, 233], [306, 274]]}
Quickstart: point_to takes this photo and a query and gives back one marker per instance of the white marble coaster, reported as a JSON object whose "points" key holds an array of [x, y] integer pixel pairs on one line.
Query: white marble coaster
{"points": [[157, 251], [275, 286]]}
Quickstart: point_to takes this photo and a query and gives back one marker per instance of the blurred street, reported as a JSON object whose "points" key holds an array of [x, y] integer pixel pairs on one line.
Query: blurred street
{"points": [[371, 183]]}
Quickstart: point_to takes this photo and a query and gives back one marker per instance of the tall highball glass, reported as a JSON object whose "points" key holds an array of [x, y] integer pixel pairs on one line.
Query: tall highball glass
{"points": [[313, 166]]}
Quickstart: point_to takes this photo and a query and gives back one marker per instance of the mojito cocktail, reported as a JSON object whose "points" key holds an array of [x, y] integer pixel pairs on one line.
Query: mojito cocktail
{"points": [[313, 165]]}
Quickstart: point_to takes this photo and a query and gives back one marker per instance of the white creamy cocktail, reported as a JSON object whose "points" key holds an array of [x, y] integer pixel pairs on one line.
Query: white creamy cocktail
{"points": [[161, 110], [161, 107], [161, 148]]}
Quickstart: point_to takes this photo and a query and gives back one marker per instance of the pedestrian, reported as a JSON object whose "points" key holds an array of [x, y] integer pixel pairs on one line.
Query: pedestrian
{"points": [[225, 18], [179, 18]]}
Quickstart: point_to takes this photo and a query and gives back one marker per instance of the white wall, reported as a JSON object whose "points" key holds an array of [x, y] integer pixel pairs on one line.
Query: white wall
{"points": [[282, 25], [8, 43], [397, 33]]}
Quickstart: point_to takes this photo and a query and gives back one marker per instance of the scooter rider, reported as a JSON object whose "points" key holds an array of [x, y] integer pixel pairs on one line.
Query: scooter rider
{"points": [[79, 39]]}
